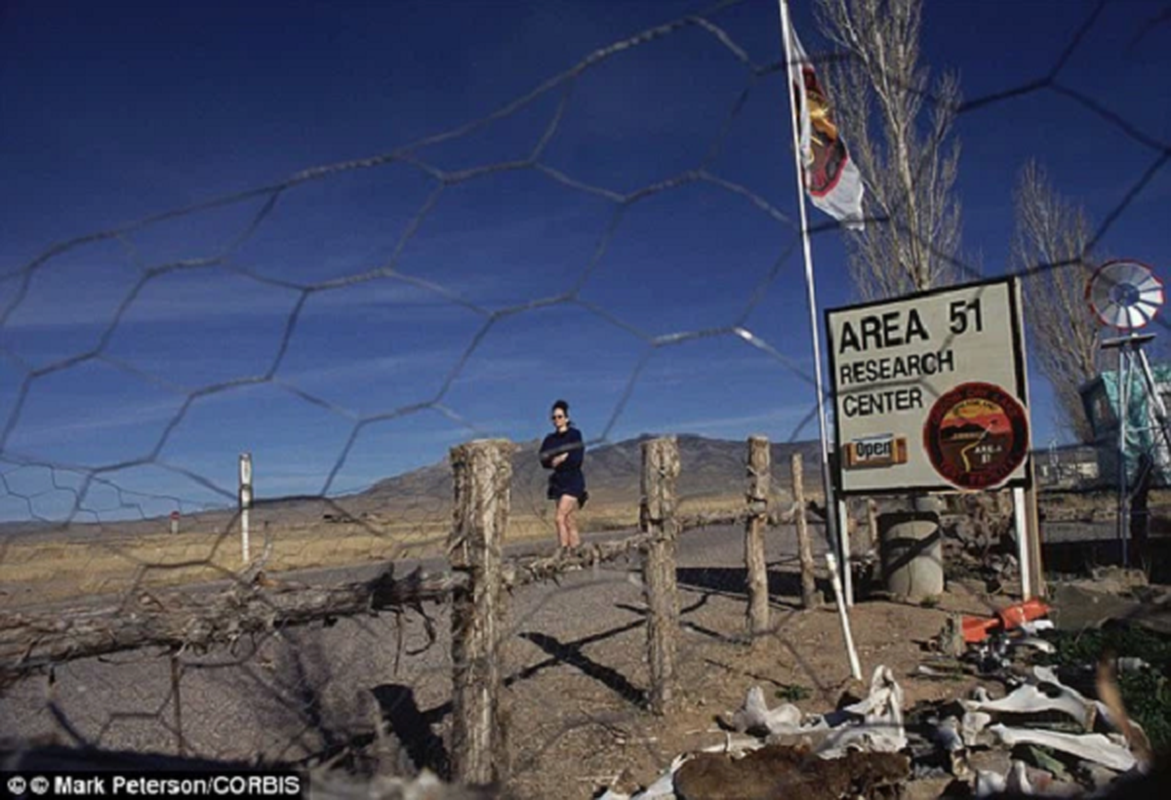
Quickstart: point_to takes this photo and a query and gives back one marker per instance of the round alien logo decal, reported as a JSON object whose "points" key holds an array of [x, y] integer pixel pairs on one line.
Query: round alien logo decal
{"points": [[976, 435]]}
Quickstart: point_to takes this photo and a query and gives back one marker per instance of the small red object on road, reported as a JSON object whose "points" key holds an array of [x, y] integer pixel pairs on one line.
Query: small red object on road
{"points": [[1016, 615], [977, 629]]}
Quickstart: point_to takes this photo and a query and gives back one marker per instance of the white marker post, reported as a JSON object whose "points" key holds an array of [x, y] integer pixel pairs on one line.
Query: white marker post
{"points": [[245, 502], [1024, 552], [836, 581], [844, 539]]}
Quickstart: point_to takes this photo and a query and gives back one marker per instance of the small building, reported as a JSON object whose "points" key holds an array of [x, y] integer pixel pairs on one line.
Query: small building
{"points": [[1072, 466], [1101, 399]]}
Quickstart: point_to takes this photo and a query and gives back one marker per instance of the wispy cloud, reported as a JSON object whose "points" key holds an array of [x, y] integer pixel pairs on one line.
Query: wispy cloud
{"points": [[68, 426], [217, 295], [369, 370]]}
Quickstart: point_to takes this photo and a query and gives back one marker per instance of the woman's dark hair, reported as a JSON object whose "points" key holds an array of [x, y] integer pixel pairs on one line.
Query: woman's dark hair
{"points": [[561, 406]]}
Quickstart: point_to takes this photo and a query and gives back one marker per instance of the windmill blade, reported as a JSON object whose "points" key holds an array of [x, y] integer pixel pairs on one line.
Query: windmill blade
{"points": [[1124, 294]]}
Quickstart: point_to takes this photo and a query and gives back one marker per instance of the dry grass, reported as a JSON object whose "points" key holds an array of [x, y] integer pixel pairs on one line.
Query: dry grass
{"points": [[87, 561], [53, 566]]}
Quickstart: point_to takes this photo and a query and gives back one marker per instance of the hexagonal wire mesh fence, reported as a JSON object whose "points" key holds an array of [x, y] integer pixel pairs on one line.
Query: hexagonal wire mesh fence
{"points": [[86, 527]]}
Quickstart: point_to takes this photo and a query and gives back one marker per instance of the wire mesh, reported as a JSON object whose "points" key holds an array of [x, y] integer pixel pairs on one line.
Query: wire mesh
{"points": [[90, 516]]}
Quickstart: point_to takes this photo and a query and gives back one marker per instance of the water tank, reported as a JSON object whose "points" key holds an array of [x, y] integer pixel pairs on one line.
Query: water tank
{"points": [[911, 547]]}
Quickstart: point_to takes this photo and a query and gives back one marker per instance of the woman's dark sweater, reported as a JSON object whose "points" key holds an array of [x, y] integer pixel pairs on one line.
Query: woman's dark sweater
{"points": [[567, 477]]}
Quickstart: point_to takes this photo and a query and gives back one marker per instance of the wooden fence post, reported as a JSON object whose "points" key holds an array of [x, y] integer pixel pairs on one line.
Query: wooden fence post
{"points": [[804, 548], [756, 494], [871, 525], [660, 469], [1034, 527], [177, 702], [482, 472]]}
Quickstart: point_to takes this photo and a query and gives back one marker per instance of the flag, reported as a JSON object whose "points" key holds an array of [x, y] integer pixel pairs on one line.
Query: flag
{"points": [[830, 175]]}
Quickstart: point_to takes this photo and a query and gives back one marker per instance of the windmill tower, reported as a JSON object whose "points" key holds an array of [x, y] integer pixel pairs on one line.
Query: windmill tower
{"points": [[1126, 295]]}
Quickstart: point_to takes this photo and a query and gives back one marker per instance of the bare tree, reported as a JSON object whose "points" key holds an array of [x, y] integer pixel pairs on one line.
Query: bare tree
{"points": [[1050, 249], [899, 132]]}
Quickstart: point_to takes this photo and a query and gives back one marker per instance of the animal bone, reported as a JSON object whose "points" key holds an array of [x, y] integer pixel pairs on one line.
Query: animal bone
{"points": [[755, 715], [1103, 710], [881, 730], [664, 787], [973, 725], [947, 734], [1017, 781], [989, 782], [1089, 746], [1029, 699], [1034, 642]]}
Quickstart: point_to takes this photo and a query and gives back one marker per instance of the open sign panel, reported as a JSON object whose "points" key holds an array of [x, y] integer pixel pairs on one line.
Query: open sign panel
{"points": [[930, 391]]}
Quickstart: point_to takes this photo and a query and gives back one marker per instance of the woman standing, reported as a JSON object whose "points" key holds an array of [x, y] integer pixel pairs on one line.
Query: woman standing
{"points": [[563, 452]]}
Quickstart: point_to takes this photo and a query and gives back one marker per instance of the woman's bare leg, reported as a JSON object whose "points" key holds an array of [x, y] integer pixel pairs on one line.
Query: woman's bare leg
{"points": [[566, 522], [562, 523]]}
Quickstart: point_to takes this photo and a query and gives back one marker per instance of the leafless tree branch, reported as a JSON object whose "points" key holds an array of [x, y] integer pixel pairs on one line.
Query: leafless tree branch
{"points": [[898, 128], [1050, 249]]}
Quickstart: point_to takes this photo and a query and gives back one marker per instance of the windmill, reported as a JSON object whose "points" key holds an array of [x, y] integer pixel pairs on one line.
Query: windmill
{"points": [[1126, 295]]}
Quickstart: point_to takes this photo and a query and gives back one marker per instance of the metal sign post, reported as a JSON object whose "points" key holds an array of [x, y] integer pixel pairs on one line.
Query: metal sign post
{"points": [[1024, 551]]}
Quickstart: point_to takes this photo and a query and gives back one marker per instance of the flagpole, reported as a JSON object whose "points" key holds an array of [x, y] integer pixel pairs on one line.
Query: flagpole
{"points": [[811, 296], [810, 291]]}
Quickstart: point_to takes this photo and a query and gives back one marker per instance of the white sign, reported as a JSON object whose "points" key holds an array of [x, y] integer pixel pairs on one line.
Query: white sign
{"points": [[930, 391]]}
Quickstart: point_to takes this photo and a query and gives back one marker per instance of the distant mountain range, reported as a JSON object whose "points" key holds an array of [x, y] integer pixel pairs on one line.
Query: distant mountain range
{"points": [[711, 468]]}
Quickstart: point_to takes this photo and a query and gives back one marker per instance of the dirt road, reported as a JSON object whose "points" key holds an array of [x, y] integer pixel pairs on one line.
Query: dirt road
{"points": [[574, 663]]}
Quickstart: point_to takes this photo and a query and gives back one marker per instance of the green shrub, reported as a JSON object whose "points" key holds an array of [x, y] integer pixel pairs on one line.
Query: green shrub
{"points": [[1145, 692]]}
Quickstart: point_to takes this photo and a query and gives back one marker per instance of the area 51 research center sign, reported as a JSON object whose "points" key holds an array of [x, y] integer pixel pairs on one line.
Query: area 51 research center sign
{"points": [[930, 391]]}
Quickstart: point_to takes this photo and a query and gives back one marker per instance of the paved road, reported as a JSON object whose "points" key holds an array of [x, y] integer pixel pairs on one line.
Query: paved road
{"points": [[719, 543]]}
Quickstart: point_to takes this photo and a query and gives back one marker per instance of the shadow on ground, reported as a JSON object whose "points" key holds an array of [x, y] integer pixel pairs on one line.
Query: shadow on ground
{"points": [[570, 654], [412, 727], [784, 587]]}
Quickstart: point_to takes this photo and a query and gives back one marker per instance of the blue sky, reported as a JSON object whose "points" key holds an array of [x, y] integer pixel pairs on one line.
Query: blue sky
{"points": [[362, 320]]}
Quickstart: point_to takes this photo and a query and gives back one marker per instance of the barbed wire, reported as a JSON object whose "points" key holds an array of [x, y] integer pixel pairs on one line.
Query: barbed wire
{"points": [[302, 682]]}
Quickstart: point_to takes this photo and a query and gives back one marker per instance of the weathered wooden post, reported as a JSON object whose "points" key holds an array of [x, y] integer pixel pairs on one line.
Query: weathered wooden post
{"points": [[804, 547], [482, 472], [176, 678], [1034, 522], [756, 495], [660, 470], [871, 525]]}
